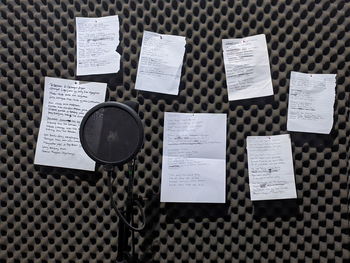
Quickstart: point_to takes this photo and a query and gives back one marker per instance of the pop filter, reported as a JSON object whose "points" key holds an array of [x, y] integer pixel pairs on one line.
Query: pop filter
{"points": [[111, 133]]}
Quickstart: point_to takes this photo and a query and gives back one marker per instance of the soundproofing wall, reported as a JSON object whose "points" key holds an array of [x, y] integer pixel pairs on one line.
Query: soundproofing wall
{"points": [[60, 215]]}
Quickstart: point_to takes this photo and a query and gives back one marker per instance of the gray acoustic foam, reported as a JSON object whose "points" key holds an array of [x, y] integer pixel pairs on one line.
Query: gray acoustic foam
{"points": [[58, 215]]}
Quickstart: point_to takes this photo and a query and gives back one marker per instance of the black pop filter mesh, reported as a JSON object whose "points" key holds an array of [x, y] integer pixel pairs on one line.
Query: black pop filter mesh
{"points": [[111, 133]]}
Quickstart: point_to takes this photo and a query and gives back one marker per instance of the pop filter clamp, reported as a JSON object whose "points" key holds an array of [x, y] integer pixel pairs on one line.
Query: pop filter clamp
{"points": [[111, 133]]}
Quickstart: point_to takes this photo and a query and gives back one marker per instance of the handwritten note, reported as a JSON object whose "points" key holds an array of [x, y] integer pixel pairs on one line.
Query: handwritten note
{"points": [[65, 104], [194, 158], [160, 63], [270, 167], [311, 102], [97, 41], [247, 67]]}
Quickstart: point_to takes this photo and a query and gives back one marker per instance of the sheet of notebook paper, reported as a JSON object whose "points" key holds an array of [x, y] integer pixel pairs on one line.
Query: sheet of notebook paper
{"points": [[65, 104], [194, 158], [270, 167], [247, 67], [311, 102], [160, 63], [97, 41]]}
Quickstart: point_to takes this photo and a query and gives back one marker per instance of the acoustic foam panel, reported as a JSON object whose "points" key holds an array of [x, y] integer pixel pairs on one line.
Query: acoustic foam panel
{"points": [[58, 215]]}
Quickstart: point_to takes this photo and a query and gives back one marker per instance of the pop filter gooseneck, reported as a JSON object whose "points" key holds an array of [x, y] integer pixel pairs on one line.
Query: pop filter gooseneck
{"points": [[111, 133]]}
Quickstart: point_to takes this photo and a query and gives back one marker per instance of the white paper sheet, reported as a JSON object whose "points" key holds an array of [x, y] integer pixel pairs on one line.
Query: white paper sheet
{"points": [[160, 63], [270, 167], [247, 67], [97, 41], [65, 104], [311, 102], [194, 158]]}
